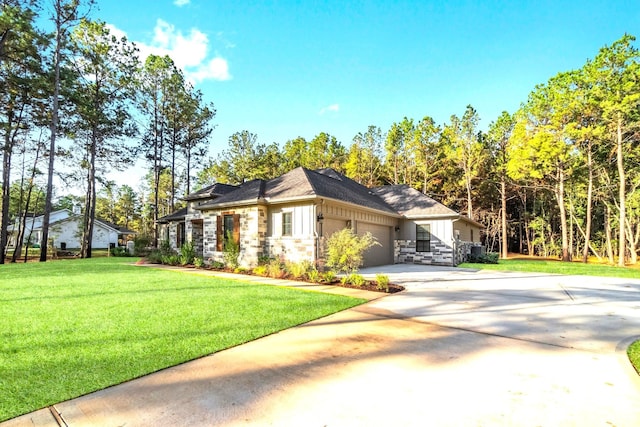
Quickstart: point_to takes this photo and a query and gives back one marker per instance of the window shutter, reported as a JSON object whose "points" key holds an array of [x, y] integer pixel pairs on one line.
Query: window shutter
{"points": [[219, 233], [236, 229]]}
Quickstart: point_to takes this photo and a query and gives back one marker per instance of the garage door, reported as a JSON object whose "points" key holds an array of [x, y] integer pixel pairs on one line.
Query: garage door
{"points": [[379, 254], [330, 226]]}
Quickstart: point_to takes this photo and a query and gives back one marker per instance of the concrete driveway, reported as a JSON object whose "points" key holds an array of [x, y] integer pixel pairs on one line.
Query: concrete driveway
{"points": [[458, 348]]}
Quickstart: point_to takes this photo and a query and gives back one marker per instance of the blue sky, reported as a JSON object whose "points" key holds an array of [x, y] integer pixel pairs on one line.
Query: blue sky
{"points": [[283, 69]]}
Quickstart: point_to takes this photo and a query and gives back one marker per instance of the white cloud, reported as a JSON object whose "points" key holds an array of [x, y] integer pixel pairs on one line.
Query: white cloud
{"points": [[332, 107], [181, 3], [188, 51]]}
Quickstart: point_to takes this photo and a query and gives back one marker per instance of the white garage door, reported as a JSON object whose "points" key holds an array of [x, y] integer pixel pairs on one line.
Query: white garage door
{"points": [[379, 254]]}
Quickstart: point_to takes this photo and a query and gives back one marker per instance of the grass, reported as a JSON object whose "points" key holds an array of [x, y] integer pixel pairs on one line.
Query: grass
{"points": [[71, 327], [549, 266], [634, 355]]}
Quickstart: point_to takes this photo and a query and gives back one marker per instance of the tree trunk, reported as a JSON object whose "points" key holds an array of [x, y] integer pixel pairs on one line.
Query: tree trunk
{"points": [[469, 205], [622, 194], [6, 186], [23, 224], [566, 251], [503, 217], [90, 203], [587, 233], [53, 128], [607, 230]]}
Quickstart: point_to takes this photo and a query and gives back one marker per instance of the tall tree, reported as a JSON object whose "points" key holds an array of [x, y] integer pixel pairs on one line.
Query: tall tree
{"points": [[542, 148], [20, 72], [198, 116], [65, 16], [106, 70], [616, 71], [498, 138], [363, 159], [424, 149], [466, 150], [155, 76]]}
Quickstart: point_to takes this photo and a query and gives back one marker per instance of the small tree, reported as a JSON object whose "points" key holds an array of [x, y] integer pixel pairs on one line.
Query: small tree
{"points": [[231, 251], [345, 250]]}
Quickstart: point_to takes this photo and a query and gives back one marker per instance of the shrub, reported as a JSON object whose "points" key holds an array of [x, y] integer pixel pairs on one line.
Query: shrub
{"points": [[231, 251], [298, 269], [141, 244], [154, 257], [383, 282], [314, 275], [187, 253], [329, 276], [356, 280], [345, 250], [264, 259], [275, 270], [198, 262], [488, 258], [240, 270], [260, 270], [217, 265], [173, 259], [120, 251]]}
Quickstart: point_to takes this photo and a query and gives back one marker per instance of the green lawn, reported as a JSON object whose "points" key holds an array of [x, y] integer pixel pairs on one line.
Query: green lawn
{"points": [[70, 327], [634, 355], [571, 268]]}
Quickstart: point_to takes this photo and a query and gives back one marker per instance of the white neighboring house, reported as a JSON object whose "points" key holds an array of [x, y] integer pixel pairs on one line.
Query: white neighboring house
{"points": [[64, 229]]}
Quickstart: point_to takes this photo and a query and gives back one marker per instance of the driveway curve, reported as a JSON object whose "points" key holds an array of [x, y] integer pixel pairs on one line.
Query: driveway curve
{"points": [[457, 348]]}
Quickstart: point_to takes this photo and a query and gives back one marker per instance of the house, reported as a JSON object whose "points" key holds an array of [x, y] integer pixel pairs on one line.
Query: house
{"points": [[64, 229], [293, 215], [186, 225]]}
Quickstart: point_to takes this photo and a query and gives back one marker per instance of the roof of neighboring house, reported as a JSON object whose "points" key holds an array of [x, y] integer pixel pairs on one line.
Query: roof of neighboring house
{"points": [[211, 191], [302, 183], [98, 222], [119, 229], [176, 216]]}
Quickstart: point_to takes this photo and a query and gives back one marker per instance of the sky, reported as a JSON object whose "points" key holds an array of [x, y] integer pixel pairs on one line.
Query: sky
{"points": [[283, 69]]}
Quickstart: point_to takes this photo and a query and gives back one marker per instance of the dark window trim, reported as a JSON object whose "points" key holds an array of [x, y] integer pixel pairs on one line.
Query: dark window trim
{"points": [[423, 244], [288, 232]]}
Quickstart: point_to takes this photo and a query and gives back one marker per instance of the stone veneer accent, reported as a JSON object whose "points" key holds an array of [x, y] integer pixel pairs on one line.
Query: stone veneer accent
{"points": [[294, 249], [405, 253], [253, 230]]}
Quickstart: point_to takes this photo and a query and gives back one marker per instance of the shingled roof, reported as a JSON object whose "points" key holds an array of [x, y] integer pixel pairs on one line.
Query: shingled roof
{"points": [[302, 183], [211, 191], [411, 203], [176, 216]]}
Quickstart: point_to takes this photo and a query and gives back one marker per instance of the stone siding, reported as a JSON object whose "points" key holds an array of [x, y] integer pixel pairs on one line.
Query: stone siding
{"points": [[253, 230], [440, 254], [292, 249]]}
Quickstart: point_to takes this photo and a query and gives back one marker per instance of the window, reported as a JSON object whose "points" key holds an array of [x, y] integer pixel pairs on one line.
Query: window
{"points": [[228, 227], [228, 224], [286, 223], [423, 238], [180, 234]]}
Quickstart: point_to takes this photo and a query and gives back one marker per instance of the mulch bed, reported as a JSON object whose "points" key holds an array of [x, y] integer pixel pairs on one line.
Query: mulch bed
{"points": [[370, 285]]}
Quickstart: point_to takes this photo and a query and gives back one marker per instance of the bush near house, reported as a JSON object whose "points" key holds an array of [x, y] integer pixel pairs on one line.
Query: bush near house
{"points": [[345, 250]]}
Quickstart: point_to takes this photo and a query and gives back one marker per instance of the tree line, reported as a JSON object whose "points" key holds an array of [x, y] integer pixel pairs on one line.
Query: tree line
{"points": [[78, 96], [558, 177]]}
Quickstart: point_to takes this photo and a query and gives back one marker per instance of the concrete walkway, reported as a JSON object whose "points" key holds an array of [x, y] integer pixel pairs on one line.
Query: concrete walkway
{"points": [[458, 348]]}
